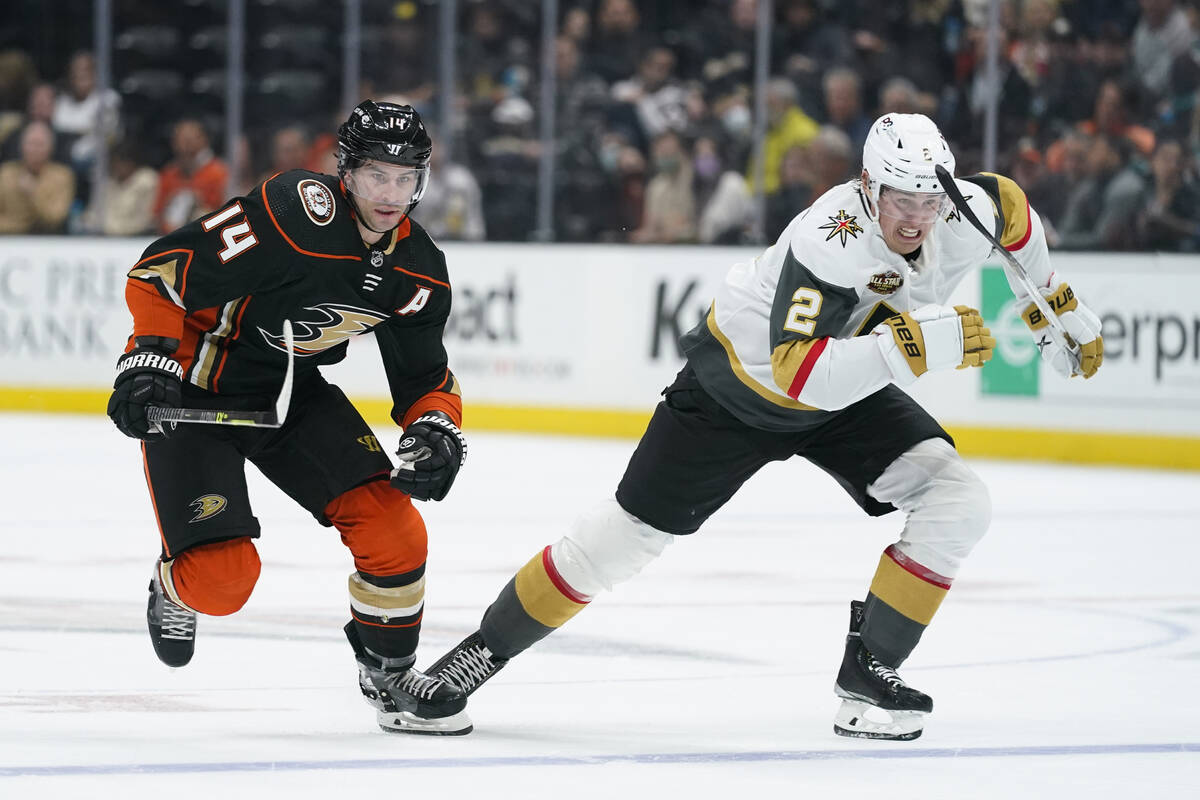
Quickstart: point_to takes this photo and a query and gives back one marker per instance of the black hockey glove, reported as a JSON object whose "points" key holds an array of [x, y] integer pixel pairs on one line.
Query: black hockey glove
{"points": [[431, 451], [146, 376]]}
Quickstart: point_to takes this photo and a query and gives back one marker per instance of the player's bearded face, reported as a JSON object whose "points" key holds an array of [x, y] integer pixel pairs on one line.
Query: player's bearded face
{"points": [[385, 192], [907, 217]]}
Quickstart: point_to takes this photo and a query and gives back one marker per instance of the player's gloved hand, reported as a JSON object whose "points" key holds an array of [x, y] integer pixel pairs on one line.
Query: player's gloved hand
{"points": [[1082, 326], [933, 337], [431, 452], [146, 376]]}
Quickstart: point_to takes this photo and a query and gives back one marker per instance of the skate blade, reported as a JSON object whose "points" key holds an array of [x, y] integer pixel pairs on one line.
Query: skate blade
{"points": [[405, 722], [860, 720]]}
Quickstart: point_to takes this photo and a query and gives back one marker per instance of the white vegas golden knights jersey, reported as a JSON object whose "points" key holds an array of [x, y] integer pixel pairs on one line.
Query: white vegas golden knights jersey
{"points": [[788, 337]]}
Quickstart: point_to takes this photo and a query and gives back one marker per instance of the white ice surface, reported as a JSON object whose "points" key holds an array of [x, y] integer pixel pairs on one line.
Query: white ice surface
{"points": [[1065, 662]]}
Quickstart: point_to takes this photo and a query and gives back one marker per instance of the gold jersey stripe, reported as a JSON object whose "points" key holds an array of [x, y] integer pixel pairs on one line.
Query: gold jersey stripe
{"points": [[389, 597], [787, 359], [540, 598], [740, 371], [1013, 209], [914, 598]]}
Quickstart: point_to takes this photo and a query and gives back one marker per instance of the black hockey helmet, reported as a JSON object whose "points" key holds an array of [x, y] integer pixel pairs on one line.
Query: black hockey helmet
{"points": [[383, 157], [387, 132]]}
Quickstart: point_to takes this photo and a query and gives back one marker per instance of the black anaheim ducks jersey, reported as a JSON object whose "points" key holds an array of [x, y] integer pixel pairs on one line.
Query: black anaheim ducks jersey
{"points": [[217, 291]]}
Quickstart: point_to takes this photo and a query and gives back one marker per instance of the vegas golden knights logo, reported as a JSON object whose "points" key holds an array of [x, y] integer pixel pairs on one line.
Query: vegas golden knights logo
{"points": [[207, 506], [371, 443]]}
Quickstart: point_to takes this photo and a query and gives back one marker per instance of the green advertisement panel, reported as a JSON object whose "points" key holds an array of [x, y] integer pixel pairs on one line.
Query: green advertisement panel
{"points": [[1013, 369]]}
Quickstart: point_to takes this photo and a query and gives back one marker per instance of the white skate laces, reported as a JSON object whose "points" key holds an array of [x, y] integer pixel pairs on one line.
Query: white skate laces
{"points": [[469, 667], [177, 622], [418, 684]]}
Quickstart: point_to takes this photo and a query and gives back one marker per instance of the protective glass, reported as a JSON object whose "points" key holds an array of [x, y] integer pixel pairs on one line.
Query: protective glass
{"points": [[387, 184], [916, 207]]}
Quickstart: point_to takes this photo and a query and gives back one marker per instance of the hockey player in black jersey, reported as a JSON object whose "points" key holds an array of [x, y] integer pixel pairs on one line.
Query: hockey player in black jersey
{"points": [[803, 352], [337, 257]]}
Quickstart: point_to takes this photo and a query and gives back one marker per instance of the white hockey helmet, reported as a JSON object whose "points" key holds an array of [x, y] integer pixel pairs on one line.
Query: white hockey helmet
{"points": [[901, 151]]}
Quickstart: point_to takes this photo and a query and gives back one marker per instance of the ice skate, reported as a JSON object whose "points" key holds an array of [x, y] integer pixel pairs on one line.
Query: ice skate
{"points": [[876, 703], [468, 665], [407, 700], [172, 627]]}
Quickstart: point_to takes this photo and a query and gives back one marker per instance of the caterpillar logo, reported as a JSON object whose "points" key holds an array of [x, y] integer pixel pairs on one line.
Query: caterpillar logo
{"points": [[371, 443], [207, 506]]}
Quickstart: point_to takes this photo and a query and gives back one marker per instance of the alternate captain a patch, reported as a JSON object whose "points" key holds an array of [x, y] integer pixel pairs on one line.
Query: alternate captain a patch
{"points": [[842, 225], [317, 201]]}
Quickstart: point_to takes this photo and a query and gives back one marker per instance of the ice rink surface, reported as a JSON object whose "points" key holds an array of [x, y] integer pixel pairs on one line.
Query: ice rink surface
{"points": [[1064, 663]]}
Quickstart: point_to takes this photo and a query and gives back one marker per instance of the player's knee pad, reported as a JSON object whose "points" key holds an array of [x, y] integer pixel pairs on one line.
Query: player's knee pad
{"points": [[948, 506], [606, 546], [382, 528], [214, 578]]}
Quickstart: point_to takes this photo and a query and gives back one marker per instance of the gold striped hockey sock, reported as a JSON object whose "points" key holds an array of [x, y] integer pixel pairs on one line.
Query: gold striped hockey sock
{"points": [[531, 606], [903, 598]]}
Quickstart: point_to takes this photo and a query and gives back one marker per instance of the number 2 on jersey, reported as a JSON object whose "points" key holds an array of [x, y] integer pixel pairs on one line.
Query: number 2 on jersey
{"points": [[802, 315]]}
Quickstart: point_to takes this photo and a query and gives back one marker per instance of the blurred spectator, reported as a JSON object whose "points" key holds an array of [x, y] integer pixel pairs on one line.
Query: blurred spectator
{"points": [[618, 42], [39, 108], [17, 78], [508, 170], [290, 148], [577, 26], [194, 182], [833, 159], [452, 207], [726, 208], [659, 100], [729, 43], [808, 43], [787, 127], [84, 112], [670, 210], [35, 193], [1169, 218], [1163, 33], [843, 105], [1100, 212], [625, 167], [1048, 192], [1015, 95], [807, 173], [899, 95], [1110, 117], [128, 196], [795, 192]]}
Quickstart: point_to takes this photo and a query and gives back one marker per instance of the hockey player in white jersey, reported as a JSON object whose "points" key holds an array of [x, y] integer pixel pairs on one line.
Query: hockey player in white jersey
{"points": [[802, 353]]}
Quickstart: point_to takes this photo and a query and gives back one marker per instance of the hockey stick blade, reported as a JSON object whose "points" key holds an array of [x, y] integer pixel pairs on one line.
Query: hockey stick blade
{"points": [[256, 419], [1056, 331]]}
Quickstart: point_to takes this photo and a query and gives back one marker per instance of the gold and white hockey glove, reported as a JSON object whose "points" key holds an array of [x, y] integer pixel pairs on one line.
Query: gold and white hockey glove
{"points": [[1082, 326], [931, 338]]}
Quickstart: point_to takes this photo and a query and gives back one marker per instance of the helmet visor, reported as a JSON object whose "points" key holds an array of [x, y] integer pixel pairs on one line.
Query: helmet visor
{"points": [[387, 184], [919, 208]]}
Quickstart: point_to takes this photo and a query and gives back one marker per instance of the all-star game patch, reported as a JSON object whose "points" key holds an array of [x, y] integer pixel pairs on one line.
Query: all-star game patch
{"points": [[842, 225], [885, 282], [317, 201]]}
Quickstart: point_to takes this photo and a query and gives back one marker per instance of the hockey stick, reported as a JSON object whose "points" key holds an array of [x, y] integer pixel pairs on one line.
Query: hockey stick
{"points": [[257, 419], [1054, 330]]}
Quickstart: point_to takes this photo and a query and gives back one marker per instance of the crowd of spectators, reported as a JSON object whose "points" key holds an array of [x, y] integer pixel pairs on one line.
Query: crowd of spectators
{"points": [[1099, 119]]}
